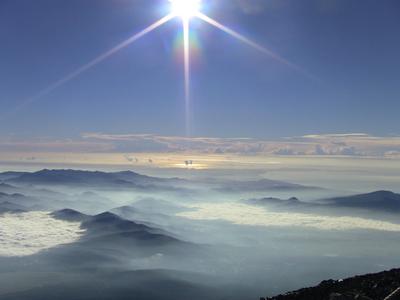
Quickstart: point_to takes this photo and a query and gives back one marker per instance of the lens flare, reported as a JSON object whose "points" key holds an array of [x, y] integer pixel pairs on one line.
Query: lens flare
{"points": [[186, 10], [254, 45], [88, 65], [186, 42]]}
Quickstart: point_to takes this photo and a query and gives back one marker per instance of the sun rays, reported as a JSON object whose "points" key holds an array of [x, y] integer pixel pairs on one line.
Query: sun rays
{"points": [[186, 10], [93, 63], [186, 45]]}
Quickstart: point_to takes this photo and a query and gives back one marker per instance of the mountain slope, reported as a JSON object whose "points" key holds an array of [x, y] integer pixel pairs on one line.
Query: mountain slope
{"points": [[379, 200], [261, 185], [10, 175], [125, 179], [111, 232], [19, 201], [69, 177], [367, 287], [9, 207], [143, 285]]}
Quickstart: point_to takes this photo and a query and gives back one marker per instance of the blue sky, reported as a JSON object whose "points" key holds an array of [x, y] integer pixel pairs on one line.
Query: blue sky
{"points": [[350, 46]]}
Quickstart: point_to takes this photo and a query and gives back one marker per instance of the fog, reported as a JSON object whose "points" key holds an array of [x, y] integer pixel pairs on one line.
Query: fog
{"points": [[98, 235]]}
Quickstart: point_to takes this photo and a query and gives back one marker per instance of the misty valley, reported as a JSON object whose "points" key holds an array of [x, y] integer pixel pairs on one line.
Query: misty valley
{"points": [[71, 234]]}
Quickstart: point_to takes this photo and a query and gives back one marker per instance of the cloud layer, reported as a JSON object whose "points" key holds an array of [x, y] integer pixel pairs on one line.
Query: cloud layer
{"points": [[351, 144], [249, 215], [23, 234]]}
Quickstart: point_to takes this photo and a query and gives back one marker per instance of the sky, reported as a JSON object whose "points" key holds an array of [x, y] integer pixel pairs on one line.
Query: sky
{"points": [[350, 48]]}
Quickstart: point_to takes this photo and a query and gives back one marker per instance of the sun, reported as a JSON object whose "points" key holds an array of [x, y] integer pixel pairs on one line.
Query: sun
{"points": [[185, 8]]}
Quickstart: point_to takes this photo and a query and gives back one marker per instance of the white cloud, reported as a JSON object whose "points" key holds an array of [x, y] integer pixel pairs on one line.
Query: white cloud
{"points": [[392, 153], [244, 214], [27, 233], [285, 151], [347, 144], [335, 135]]}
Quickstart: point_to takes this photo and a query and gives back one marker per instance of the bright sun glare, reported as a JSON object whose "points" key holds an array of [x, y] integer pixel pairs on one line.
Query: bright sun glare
{"points": [[185, 8]]}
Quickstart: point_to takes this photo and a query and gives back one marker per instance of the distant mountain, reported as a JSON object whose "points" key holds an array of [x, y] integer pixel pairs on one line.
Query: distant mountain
{"points": [[143, 179], [367, 287], [126, 179], [9, 175], [70, 215], [9, 207], [19, 200], [109, 231], [68, 177], [293, 201], [132, 180], [152, 212], [261, 185], [8, 188], [378, 201], [108, 222]]}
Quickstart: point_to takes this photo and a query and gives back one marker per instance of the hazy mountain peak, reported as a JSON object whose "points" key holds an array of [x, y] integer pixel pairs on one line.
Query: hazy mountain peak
{"points": [[377, 200], [69, 215], [107, 217]]}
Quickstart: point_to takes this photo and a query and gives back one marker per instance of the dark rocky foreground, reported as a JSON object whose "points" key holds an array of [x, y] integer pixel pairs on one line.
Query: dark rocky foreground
{"points": [[379, 286]]}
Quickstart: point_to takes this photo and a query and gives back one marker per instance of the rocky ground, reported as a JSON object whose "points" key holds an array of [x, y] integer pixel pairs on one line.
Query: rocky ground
{"points": [[379, 286]]}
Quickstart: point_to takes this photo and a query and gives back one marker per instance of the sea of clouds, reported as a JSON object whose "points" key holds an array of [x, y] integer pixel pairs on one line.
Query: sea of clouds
{"points": [[27, 233], [244, 214]]}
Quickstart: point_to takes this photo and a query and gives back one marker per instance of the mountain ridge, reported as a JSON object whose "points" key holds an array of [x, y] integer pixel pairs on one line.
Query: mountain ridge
{"points": [[376, 286], [378, 201]]}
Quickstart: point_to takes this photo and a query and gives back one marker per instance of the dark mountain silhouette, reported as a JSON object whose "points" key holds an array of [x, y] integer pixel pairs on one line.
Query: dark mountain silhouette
{"points": [[152, 218], [379, 201], [129, 285], [143, 179], [9, 175], [7, 206], [21, 201], [368, 287], [7, 188], [109, 231], [108, 222], [69, 177], [293, 201], [70, 215], [261, 185], [125, 179]]}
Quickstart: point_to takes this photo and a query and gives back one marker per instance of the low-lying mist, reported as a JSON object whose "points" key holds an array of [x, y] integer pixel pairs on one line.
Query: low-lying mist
{"points": [[69, 234]]}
